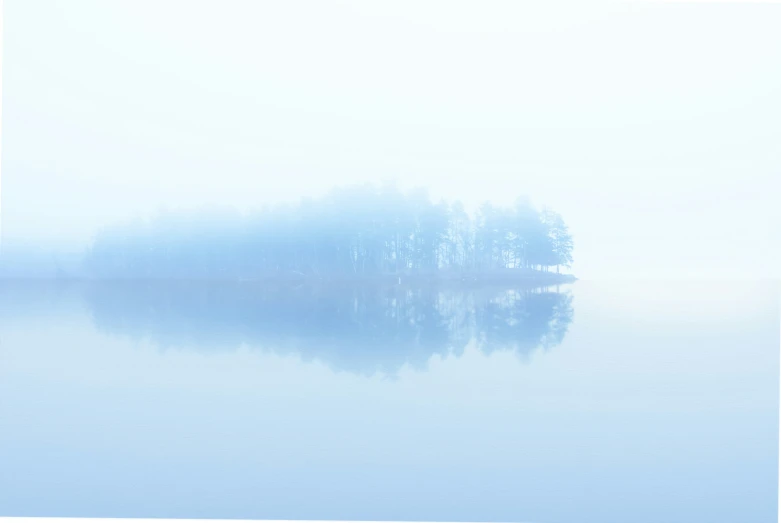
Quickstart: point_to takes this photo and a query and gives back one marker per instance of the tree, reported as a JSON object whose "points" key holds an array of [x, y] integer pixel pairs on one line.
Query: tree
{"points": [[362, 231], [560, 238]]}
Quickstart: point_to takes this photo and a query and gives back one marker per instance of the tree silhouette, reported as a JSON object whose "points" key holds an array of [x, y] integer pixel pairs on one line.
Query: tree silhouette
{"points": [[354, 232]]}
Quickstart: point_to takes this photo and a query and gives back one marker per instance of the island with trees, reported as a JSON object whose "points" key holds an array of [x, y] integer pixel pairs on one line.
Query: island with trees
{"points": [[359, 233]]}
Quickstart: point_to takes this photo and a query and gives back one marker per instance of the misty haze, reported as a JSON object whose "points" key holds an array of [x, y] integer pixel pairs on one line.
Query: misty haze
{"points": [[393, 260]]}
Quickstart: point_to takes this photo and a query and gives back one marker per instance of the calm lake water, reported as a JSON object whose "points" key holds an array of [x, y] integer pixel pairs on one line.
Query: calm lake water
{"points": [[596, 402]]}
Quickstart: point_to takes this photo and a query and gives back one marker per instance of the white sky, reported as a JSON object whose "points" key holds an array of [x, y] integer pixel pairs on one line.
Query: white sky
{"points": [[653, 128]]}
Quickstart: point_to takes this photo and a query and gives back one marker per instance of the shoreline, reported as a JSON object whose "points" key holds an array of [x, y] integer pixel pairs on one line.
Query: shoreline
{"points": [[528, 278]]}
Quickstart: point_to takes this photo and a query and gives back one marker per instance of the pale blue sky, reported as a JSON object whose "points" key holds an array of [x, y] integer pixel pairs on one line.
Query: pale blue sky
{"points": [[653, 128]]}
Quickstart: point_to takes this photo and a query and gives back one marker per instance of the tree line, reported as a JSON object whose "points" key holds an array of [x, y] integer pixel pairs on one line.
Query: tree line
{"points": [[355, 231]]}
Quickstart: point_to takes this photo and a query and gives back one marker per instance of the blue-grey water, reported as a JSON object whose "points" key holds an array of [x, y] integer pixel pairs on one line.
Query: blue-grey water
{"points": [[590, 403]]}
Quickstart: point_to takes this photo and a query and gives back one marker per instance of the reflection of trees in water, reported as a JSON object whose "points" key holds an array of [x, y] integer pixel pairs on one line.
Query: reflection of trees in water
{"points": [[522, 321], [360, 329]]}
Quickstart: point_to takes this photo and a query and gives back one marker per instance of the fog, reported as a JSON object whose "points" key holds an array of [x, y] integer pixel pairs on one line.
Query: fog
{"points": [[651, 127]]}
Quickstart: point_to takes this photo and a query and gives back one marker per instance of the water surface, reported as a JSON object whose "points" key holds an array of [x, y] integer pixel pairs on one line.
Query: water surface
{"points": [[592, 403]]}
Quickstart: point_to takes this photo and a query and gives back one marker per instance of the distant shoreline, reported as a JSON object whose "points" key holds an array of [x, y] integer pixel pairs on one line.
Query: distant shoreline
{"points": [[502, 277]]}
